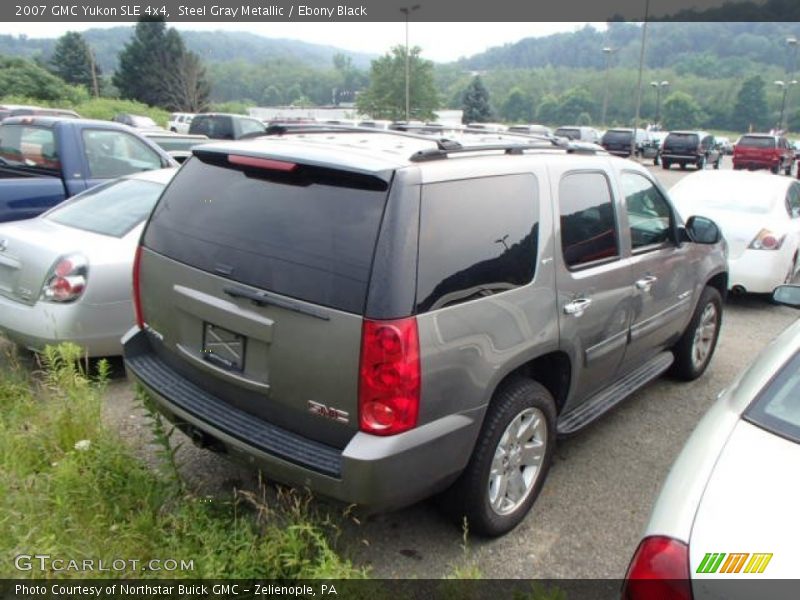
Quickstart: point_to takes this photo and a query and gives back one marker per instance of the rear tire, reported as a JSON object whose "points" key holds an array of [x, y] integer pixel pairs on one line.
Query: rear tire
{"points": [[683, 166], [716, 164], [701, 163], [694, 350], [775, 169], [509, 463], [787, 170], [665, 164]]}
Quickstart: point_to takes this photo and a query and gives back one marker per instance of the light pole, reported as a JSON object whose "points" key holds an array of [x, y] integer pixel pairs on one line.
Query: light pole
{"points": [[407, 10], [658, 85], [791, 41], [608, 52], [639, 82], [785, 85]]}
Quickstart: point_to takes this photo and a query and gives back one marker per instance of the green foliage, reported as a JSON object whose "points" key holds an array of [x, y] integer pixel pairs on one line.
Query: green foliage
{"points": [[19, 77], [517, 107], [106, 108], [750, 111], [681, 111], [573, 103], [475, 103], [236, 108], [385, 97], [72, 61], [70, 487]]}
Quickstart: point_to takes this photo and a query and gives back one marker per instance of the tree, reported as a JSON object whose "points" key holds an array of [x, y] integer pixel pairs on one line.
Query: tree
{"points": [[548, 111], [517, 107], [681, 111], [20, 77], [74, 62], [186, 88], [154, 68], [476, 102], [385, 97], [573, 103], [750, 111]]}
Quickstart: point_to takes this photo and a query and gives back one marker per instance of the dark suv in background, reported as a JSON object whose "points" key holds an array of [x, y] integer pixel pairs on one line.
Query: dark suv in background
{"points": [[698, 148], [221, 126], [381, 316]]}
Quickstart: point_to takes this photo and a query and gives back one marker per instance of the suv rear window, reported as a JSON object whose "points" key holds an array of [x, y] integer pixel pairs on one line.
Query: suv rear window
{"points": [[29, 147], [682, 139], [753, 141], [309, 233], [477, 237], [217, 127], [617, 136]]}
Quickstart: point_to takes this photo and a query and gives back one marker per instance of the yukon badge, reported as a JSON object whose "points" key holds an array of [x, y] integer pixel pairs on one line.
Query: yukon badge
{"points": [[317, 408]]}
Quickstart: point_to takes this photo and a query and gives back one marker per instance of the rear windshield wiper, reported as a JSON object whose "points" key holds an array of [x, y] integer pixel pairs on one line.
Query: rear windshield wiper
{"points": [[264, 299]]}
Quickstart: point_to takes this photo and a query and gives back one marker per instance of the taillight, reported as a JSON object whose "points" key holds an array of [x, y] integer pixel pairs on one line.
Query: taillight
{"points": [[389, 376], [767, 240], [137, 302], [66, 280], [659, 569]]}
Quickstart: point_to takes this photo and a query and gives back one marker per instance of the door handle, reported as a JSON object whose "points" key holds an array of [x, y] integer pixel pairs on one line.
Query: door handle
{"points": [[577, 307], [646, 282]]}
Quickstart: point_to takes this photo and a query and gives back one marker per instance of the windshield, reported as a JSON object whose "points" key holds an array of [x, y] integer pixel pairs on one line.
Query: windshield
{"points": [[682, 139], [777, 407], [113, 208]]}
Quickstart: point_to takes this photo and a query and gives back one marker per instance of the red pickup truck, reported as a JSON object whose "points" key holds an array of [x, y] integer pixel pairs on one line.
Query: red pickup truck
{"points": [[763, 151]]}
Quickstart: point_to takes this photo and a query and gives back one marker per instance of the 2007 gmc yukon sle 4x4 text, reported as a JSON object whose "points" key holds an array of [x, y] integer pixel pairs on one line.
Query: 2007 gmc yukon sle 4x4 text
{"points": [[382, 316]]}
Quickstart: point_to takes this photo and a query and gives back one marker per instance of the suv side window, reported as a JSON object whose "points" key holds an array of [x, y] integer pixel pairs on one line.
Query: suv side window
{"points": [[588, 226], [251, 126], [477, 237], [649, 214], [116, 153]]}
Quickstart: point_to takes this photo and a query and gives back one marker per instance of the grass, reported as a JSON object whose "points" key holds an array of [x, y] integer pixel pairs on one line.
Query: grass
{"points": [[69, 487]]}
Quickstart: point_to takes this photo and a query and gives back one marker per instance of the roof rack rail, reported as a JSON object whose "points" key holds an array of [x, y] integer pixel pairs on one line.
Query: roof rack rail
{"points": [[441, 143], [508, 149]]}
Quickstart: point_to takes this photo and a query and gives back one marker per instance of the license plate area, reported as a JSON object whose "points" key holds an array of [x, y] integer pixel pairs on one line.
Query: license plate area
{"points": [[223, 348]]}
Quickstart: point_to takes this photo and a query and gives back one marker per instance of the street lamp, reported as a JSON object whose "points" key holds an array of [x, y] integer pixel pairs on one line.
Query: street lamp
{"points": [[639, 82], [791, 41], [608, 52], [785, 85], [658, 85], [407, 10]]}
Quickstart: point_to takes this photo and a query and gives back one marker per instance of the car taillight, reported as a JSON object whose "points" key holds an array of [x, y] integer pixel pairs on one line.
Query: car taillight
{"points": [[389, 376], [659, 569], [767, 240], [66, 280], [137, 302]]}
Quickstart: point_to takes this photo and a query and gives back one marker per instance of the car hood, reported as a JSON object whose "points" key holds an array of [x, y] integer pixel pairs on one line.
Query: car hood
{"points": [[749, 507]]}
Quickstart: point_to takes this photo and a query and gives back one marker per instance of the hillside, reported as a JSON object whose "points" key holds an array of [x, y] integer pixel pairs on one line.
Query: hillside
{"points": [[213, 46]]}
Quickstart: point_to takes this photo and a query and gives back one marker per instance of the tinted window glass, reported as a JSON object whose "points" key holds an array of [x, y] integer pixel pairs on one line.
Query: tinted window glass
{"points": [[477, 237], [681, 139], [29, 147], [751, 141], [217, 127], [115, 153], [111, 209], [588, 228], [649, 214], [309, 233], [251, 126], [617, 136], [573, 134]]}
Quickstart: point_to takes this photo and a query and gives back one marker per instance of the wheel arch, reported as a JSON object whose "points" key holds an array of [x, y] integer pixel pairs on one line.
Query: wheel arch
{"points": [[553, 370], [720, 282]]}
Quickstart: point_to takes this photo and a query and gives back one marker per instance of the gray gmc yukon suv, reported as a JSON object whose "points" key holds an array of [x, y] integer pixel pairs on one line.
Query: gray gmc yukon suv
{"points": [[382, 316]]}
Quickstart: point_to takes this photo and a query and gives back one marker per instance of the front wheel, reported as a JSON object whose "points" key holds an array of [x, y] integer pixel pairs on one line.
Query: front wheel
{"points": [[510, 462], [694, 350]]}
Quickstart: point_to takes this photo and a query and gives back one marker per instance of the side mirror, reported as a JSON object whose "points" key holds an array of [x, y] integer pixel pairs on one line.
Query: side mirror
{"points": [[702, 230], [788, 295]]}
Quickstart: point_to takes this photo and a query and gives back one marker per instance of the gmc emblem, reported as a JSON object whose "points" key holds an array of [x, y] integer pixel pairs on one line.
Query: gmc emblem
{"points": [[319, 409]]}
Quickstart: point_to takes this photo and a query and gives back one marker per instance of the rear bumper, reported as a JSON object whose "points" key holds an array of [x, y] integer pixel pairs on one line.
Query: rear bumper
{"points": [[95, 327], [381, 473], [685, 158], [759, 271], [755, 163]]}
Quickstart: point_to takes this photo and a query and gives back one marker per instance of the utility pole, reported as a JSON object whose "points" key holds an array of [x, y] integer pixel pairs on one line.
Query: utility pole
{"points": [[639, 84], [407, 10]]}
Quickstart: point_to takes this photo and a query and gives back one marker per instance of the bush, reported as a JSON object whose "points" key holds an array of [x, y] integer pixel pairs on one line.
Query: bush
{"points": [[94, 108]]}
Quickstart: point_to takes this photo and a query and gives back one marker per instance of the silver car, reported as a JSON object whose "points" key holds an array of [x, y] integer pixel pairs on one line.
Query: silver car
{"points": [[726, 518], [66, 275]]}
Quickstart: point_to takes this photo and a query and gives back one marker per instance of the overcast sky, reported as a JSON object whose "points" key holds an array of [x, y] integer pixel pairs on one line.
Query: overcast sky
{"points": [[439, 41]]}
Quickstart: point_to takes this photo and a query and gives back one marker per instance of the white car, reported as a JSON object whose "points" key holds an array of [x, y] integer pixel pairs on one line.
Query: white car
{"points": [[725, 524], [759, 215], [180, 122], [66, 275]]}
